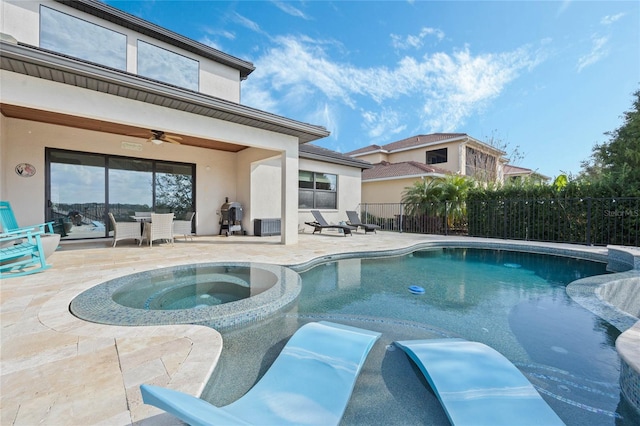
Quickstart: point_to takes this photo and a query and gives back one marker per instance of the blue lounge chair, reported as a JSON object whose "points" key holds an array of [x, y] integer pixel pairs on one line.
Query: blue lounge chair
{"points": [[309, 383], [477, 385]]}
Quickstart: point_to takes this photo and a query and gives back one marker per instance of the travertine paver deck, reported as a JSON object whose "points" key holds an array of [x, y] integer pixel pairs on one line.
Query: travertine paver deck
{"points": [[60, 370]]}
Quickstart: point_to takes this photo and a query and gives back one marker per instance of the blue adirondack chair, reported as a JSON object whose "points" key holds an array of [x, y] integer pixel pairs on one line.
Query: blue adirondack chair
{"points": [[21, 253], [10, 224]]}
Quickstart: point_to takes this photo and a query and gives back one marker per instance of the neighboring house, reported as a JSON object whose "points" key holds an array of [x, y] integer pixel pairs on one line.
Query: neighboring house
{"points": [[84, 87], [514, 173], [399, 164]]}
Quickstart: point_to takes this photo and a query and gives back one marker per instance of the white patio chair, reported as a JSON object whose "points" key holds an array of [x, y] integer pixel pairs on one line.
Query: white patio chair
{"points": [[125, 230], [183, 227], [160, 228]]}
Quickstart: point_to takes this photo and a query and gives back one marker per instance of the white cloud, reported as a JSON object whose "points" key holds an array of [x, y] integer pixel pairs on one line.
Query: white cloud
{"points": [[610, 19], [382, 124], [247, 23], [415, 41], [288, 9], [441, 90], [211, 43], [598, 52], [563, 6]]}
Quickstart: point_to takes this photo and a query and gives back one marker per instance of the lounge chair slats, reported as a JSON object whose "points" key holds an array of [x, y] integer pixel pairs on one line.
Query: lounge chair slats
{"points": [[321, 223], [309, 383], [354, 220], [477, 385]]}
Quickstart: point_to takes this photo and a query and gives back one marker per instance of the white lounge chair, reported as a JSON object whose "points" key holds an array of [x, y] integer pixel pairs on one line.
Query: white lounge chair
{"points": [[477, 385], [309, 383]]}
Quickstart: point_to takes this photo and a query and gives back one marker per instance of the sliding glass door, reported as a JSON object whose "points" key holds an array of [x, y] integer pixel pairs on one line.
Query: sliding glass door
{"points": [[83, 187]]}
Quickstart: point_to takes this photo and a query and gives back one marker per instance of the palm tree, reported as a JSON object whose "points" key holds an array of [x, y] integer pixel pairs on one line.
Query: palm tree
{"points": [[454, 190], [419, 197]]}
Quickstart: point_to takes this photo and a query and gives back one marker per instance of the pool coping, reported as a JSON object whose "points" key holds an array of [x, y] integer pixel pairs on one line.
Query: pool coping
{"points": [[97, 304]]}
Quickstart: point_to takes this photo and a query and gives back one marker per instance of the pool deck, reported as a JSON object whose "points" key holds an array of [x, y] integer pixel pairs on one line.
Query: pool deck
{"points": [[57, 369]]}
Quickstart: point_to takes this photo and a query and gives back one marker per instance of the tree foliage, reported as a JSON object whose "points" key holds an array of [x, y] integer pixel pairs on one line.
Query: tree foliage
{"points": [[614, 166]]}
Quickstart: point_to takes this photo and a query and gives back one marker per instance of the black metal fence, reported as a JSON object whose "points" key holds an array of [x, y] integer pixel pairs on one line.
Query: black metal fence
{"points": [[590, 221]]}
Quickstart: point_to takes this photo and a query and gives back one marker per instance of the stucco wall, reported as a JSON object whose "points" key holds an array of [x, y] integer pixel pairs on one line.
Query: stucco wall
{"points": [[215, 170], [385, 191], [419, 155], [20, 19], [349, 191], [373, 158]]}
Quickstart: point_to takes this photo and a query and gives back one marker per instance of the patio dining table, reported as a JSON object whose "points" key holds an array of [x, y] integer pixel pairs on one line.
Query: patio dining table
{"points": [[141, 218]]}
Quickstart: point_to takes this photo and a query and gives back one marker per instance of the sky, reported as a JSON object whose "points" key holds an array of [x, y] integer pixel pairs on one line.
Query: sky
{"points": [[547, 78]]}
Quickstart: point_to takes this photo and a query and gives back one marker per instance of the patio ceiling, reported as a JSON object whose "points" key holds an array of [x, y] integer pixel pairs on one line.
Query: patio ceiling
{"points": [[49, 117]]}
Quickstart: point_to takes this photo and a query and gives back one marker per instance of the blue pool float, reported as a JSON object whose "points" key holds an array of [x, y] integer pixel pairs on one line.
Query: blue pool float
{"points": [[416, 289]]}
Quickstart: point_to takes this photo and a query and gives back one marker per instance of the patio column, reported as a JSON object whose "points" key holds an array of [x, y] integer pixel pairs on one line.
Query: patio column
{"points": [[289, 168]]}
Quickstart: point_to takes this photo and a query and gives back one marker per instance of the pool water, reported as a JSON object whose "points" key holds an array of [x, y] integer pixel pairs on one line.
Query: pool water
{"points": [[193, 287], [513, 302]]}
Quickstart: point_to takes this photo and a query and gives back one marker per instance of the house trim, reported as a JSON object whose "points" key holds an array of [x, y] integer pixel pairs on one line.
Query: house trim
{"points": [[434, 175]]}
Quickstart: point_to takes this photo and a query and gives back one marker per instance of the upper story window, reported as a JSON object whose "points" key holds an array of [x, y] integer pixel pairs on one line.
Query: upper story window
{"points": [[81, 39], [317, 190], [169, 67], [437, 156]]}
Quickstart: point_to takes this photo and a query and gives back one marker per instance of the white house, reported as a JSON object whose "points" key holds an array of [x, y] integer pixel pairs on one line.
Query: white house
{"points": [[93, 99]]}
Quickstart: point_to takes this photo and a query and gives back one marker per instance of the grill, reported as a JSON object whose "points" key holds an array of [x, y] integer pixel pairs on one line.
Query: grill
{"points": [[230, 217]]}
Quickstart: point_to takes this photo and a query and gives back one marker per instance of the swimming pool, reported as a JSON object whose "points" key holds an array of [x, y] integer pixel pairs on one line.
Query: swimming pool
{"points": [[524, 312]]}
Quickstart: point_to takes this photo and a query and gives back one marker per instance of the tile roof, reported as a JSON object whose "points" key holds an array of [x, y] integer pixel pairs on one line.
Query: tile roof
{"points": [[422, 139], [385, 170], [315, 152], [410, 142], [510, 169]]}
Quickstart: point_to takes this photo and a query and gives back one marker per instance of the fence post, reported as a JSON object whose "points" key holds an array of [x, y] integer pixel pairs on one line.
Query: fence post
{"points": [[446, 218], [588, 221], [504, 219], [401, 216]]}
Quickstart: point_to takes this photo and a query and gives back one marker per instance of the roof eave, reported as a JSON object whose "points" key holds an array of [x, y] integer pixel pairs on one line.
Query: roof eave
{"points": [[29, 55], [422, 175], [327, 159]]}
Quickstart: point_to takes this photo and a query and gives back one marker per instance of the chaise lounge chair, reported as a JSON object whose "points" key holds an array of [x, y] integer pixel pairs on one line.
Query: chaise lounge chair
{"points": [[354, 220], [309, 383], [476, 385], [320, 223]]}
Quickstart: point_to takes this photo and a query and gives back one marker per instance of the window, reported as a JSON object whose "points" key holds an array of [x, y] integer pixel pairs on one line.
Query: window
{"points": [[82, 188], [82, 39], [169, 67], [437, 156], [317, 190]]}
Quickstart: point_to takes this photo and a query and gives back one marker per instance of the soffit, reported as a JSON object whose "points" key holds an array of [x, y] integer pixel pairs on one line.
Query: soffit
{"points": [[39, 63], [49, 117]]}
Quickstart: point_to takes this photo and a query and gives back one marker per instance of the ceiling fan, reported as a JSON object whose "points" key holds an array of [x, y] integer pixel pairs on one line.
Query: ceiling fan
{"points": [[158, 137]]}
